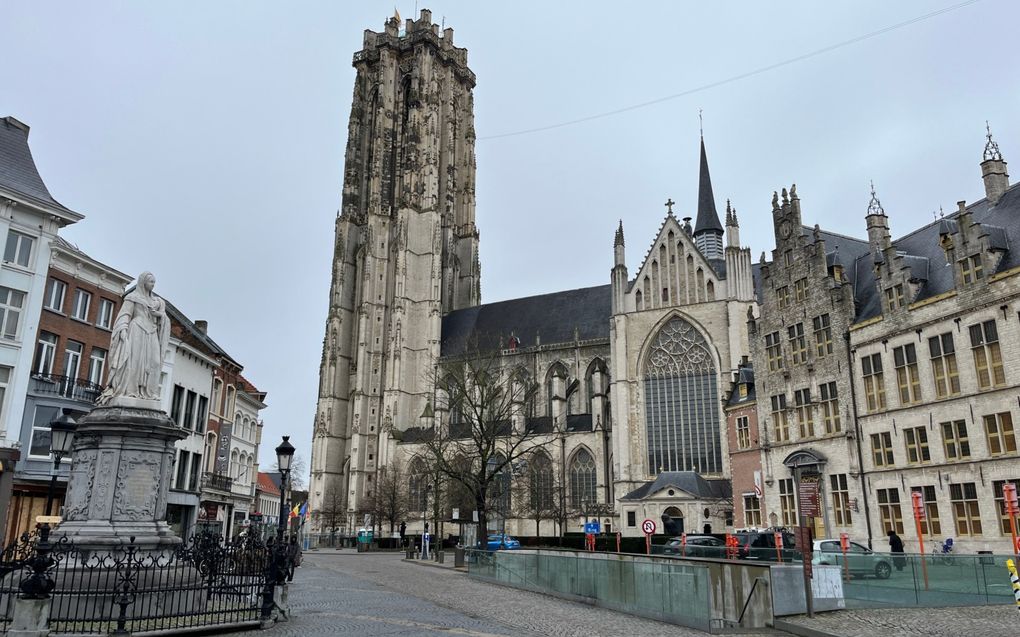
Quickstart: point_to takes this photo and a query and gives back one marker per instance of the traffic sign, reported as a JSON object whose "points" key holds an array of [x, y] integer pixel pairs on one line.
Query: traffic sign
{"points": [[592, 527], [648, 526]]}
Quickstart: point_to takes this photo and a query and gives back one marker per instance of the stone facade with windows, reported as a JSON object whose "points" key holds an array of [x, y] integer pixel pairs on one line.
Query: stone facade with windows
{"points": [[924, 324], [800, 357], [947, 428], [186, 386], [29, 221]]}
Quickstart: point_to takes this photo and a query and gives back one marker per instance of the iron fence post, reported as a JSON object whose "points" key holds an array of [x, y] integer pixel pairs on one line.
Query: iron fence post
{"points": [[39, 584], [126, 583]]}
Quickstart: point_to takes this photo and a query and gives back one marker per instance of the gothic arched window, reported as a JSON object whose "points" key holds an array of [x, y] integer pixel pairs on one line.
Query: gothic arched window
{"points": [[681, 402], [416, 480], [540, 483], [582, 479]]}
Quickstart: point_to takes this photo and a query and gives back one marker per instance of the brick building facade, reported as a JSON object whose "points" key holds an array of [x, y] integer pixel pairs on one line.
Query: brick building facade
{"points": [[745, 456]]}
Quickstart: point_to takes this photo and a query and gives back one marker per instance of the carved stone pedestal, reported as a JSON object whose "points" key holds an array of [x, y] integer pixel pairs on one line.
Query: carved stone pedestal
{"points": [[121, 469]]}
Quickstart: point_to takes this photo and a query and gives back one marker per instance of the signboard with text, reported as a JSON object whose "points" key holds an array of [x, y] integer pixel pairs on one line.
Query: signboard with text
{"points": [[807, 495]]}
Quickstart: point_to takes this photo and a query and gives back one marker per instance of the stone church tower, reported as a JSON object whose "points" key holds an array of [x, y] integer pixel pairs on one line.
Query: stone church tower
{"points": [[406, 250]]}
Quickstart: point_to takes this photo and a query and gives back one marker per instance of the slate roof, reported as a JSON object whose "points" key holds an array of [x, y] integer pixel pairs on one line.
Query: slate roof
{"points": [[688, 481], [18, 173], [267, 485], [708, 218], [549, 317], [191, 329], [926, 259]]}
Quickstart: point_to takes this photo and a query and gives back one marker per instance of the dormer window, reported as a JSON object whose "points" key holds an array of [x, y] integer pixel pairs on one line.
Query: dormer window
{"points": [[742, 390], [971, 268], [894, 296]]}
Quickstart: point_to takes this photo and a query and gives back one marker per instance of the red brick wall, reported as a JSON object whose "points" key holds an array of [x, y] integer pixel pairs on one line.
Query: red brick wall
{"points": [[67, 328], [743, 462]]}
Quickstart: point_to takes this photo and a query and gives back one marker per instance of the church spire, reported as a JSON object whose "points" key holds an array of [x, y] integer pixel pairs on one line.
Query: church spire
{"points": [[707, 229]]}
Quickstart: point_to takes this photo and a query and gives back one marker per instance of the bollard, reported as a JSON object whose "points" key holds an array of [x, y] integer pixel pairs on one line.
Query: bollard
{"points": [[1015, 581]]}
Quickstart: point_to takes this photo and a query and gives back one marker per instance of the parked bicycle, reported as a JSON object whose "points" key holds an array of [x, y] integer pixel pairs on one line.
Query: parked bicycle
{"points": [[942, 552]]}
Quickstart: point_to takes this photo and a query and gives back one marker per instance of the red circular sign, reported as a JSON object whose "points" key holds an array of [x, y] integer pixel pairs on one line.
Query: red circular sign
{"points": [[648, 526]]}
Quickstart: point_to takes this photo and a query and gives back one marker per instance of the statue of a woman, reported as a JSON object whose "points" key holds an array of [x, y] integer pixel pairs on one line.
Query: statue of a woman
{"points": [[139, 342]]}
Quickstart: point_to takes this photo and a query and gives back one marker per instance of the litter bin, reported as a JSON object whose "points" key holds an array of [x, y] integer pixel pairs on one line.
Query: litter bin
{"points": [[458, 556], [986, 558]]}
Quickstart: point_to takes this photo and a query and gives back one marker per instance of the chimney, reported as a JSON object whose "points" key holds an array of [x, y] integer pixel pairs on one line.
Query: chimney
{"points": [[202, 326], [993, 170]]}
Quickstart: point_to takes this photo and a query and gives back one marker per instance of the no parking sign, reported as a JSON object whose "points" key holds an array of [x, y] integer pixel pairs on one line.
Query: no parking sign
{"points": [[648, 526]]}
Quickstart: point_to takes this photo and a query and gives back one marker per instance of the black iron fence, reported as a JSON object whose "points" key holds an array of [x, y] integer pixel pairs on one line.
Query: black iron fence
{"points": [[204, 582]]}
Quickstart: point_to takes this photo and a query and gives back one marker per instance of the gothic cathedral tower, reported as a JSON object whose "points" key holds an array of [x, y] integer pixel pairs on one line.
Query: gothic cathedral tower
{"points": [[406, 253]]}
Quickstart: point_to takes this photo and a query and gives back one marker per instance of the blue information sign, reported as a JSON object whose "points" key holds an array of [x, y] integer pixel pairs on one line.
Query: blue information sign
{"points": [[592, 527]]}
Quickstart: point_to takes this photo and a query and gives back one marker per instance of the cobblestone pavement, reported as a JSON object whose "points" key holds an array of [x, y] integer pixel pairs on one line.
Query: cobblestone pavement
{"points": [[379, 594], [974, 621]]}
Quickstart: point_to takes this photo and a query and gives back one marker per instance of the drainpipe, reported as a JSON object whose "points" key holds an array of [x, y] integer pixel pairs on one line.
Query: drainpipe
{"points": [[563, 483], [857, 436]]}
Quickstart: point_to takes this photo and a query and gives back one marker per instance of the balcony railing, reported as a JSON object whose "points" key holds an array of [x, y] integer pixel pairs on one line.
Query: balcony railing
{"points": [[79, 389], [217, 481]]}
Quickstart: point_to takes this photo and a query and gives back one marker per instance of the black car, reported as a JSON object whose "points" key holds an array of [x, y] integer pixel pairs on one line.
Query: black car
{"points": [[761, 545], [697, 546]]}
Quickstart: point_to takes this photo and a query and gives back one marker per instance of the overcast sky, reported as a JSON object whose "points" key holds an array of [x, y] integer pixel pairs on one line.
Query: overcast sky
{"points": [[204, 140]]}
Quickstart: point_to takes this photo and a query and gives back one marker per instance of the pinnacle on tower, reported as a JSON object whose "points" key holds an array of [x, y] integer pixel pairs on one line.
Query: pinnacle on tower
{"points": [[991, 146], [875, 206], [618, 241], [993, 170]]}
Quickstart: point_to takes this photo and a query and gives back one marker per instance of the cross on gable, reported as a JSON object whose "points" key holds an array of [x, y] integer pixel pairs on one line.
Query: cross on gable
{"points": [[669, 205]]}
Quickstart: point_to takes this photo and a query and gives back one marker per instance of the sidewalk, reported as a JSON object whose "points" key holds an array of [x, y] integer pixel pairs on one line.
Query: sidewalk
{"points": [[905, 622]]}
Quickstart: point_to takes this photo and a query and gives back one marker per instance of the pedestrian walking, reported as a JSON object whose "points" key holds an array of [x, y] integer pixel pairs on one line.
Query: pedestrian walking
{"points": [[293, 557], [896, 547]]}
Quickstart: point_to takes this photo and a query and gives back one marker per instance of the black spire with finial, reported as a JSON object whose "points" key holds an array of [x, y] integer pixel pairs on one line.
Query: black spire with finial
{"points": [[708, 232], [619, 235], [708, 218]]}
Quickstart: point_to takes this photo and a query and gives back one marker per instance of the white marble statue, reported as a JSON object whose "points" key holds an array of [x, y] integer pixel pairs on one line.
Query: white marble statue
{"points": [[141, 335]]}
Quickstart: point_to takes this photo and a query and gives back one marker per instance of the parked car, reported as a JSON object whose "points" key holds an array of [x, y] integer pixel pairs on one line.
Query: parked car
{"points": [[761, 545], [697, 546], [504, 542], [860, 560]]}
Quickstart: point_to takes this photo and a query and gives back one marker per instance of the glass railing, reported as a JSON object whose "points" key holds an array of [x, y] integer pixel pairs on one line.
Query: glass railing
{"points": [[886, 580], [665, 589]]}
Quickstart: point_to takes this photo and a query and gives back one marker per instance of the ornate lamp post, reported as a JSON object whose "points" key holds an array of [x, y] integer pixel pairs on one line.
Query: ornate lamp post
{"points": [[277, 558], [61, 438], [284, 456], [40, 584]]}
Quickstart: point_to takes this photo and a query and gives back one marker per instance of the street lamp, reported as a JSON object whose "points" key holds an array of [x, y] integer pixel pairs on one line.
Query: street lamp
{"points": [[276, 575], [284, 457], [61, 438], [425, 523]]}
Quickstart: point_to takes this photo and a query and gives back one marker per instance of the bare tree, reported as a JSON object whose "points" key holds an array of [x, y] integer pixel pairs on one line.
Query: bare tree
{"points": [[389, 501], [298, 471], [332, 511], [479, 416]]}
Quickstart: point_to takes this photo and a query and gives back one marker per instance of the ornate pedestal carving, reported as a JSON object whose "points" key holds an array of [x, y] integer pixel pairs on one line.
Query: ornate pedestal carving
{"points": [[122, 465]]}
